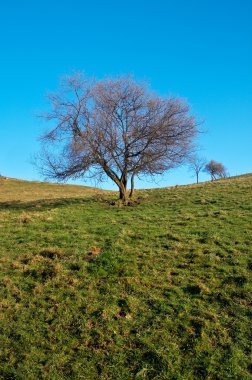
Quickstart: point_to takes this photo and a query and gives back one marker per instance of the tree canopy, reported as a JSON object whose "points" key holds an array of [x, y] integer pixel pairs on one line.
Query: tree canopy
{"points": [[114, 127], [215, 169]]}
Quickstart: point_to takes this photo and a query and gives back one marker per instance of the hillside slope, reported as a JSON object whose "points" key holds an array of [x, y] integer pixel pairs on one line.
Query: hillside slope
{"points": [[16, 190], [158, 290]]}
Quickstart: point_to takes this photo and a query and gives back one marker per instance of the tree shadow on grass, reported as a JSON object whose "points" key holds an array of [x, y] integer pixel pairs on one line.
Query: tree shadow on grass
{"points": [[45, 204]]}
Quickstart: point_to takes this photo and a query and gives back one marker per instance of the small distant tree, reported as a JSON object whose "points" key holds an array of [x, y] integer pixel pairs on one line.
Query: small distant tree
{"points": [[114, 127], [216, 170], [197, 164]]}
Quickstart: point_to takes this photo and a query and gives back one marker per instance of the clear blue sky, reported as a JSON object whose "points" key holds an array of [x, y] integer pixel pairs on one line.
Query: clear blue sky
{"points": [[200, 50]]}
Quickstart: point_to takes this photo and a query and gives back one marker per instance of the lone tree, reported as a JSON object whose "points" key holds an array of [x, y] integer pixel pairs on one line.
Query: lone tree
{"points": [[196, 164], [216, 170], [114, 127]]}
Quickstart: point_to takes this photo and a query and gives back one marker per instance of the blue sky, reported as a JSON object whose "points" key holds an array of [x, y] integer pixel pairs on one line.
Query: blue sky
{"points": [[200, 50]]}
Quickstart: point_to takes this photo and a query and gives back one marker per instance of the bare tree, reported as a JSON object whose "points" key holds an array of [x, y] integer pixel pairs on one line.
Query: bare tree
{"points": [[114, 127], [196, 164], [216, 170]]}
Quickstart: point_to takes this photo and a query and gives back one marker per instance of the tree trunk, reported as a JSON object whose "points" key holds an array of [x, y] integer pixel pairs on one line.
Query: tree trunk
{"points": [[132, 186], [123, 190], [123, 194], [197, 174]]}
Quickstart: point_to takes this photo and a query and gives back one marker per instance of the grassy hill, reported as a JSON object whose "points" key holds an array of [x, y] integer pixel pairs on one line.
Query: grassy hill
{"points": [[157, 290]]}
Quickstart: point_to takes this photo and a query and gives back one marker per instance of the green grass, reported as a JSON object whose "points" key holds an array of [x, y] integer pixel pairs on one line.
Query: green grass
{"points": [[168, 296]]}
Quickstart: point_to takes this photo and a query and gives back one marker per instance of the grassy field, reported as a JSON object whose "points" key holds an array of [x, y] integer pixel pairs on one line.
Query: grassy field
{"points": [[157, 290]]}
